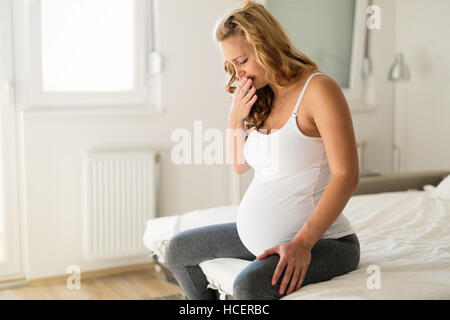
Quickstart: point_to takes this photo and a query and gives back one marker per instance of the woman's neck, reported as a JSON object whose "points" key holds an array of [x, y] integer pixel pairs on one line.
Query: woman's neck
{"points": [[277, 90]]}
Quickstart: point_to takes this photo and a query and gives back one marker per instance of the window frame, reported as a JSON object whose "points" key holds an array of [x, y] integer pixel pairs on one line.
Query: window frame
{"points": [[29, 90]]}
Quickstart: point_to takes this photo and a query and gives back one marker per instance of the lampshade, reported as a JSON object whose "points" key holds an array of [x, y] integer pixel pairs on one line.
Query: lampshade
{"points": [[399, 70]]}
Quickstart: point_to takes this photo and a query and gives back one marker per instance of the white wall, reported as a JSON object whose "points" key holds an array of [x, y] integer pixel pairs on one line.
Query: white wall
{"points": [[423, 104], [374, 126]]}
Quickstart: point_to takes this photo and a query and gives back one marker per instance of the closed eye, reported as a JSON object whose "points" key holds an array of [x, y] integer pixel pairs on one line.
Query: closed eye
{"points": [[244, 61]]}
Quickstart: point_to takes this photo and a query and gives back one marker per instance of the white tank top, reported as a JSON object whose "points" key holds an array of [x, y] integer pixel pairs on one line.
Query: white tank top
{"points": [[291, 173]]}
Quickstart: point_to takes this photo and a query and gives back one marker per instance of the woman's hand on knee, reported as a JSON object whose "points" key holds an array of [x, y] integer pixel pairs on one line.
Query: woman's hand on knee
{"points": [[294, 261]]}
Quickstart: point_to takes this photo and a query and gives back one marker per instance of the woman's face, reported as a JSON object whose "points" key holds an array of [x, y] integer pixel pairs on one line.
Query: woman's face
{"points": [[241, 54]]}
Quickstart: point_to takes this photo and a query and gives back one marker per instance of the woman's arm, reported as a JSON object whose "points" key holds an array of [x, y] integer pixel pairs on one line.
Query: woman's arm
{"points": [[333, 120], [235, 140], [243, 100], [331, 114]]}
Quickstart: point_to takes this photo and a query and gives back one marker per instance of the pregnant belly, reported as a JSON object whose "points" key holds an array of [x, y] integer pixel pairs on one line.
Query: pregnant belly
{"points": [[267, 216]]}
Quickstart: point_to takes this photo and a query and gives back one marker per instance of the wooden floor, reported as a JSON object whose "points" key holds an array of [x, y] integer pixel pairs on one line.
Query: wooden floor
{"points": [[134, 285]]}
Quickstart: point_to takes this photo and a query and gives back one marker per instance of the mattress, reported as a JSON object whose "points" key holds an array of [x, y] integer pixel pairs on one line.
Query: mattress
{"points": [[404, 238], [160, 230], [404, 235]]}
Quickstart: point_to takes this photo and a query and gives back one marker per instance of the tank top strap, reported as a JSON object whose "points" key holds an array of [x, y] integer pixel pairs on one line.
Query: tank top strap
{"points": [[294, 113]]}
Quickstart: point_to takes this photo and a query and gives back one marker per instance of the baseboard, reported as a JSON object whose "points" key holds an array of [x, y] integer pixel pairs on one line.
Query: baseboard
{"points": [[14, 283]]}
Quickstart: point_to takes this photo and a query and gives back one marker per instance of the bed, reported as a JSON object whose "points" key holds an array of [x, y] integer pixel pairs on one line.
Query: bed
{"points": [[403, 224]]}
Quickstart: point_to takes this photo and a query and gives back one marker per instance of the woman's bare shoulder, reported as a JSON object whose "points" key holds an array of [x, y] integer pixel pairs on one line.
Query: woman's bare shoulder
{"points": [[322, 90], [323, 86]]}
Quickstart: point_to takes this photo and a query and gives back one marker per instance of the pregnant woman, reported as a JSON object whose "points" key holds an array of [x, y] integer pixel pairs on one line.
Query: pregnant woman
{"points": [[291, 123]]}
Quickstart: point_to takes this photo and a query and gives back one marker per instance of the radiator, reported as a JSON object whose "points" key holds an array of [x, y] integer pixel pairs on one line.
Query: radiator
{"points": [[119, 196]]}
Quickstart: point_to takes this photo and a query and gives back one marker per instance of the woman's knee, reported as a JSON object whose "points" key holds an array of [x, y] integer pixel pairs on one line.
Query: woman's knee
{"points": [[176, 249], [244, 286], [356, 259], [354, 254], [255, 284]]}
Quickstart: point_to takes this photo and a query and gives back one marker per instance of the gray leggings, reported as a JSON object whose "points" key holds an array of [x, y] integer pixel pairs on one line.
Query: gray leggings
{"points": [[187, 249]]}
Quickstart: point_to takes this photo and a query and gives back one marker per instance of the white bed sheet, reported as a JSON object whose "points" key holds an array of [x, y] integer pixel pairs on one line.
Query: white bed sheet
{"points": [[160, 230], [405, 234]]}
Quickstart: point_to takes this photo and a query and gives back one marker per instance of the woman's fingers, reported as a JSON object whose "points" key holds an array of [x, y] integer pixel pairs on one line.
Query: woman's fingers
{"points": [[250, 103], [302, 277], [268, 252], [245, 87], [287, 276], [249, 94], [278, 271], [243, 99], [294, 280], [240, 85]]}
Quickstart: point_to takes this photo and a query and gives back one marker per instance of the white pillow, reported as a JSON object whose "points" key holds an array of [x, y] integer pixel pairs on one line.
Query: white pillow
{"points": [[442, 190]]}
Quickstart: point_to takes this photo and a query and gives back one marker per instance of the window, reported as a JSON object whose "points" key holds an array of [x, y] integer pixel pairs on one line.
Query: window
{"points": [[87, 45], [84, 52]]}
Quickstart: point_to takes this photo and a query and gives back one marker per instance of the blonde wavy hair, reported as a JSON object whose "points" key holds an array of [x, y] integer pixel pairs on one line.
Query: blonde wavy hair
{"points": [[274, 51]]}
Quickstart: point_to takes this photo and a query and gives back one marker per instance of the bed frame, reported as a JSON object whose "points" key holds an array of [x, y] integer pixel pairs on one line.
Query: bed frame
{"points": [[399, 181], [369, 185]]}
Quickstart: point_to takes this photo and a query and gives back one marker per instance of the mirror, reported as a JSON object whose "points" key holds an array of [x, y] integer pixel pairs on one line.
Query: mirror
{"points": [[329, 32]]}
